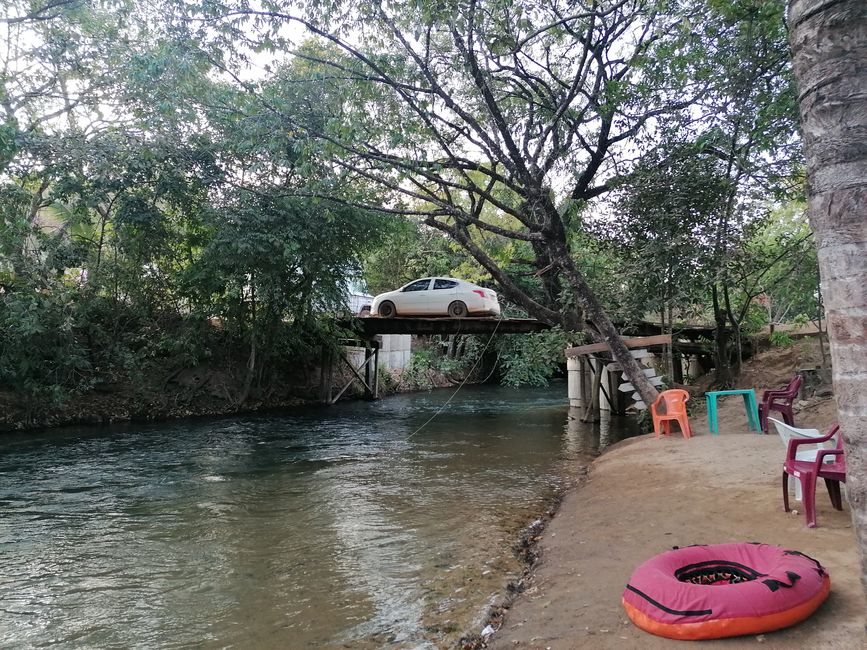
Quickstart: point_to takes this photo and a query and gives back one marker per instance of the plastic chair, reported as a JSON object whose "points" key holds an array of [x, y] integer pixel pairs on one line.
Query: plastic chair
{"points": [[787, 433], [670, 405], [782, 400], [808, 472]]}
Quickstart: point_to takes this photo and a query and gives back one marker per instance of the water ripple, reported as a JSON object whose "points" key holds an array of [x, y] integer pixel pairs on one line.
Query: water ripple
{"points": [[316, 529]]}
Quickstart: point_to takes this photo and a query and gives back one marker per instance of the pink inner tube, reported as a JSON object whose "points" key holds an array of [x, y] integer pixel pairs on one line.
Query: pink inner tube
{"points": [[724, 590]]}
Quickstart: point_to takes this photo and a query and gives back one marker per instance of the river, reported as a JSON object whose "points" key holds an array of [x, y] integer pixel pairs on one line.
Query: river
{"points": [[363, 525]]}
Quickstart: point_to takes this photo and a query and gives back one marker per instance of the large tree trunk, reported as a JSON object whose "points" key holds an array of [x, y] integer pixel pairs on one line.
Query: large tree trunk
{"points": [[829, 47], [722, 353], [605, 330]]}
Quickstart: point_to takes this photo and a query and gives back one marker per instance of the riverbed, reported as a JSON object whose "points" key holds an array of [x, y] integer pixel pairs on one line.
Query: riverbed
{"points": [[367, 524]]}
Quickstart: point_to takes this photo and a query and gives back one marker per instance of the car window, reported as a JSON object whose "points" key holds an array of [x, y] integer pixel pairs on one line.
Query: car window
{"points": [[444, 284], [418, 285]]}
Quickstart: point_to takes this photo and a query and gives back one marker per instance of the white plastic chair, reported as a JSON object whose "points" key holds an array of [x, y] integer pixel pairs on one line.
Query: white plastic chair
{"points": [[787, 432]]}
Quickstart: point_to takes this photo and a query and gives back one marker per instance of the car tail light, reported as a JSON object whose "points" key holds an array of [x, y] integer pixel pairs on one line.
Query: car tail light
{"points": [[480, 292]]}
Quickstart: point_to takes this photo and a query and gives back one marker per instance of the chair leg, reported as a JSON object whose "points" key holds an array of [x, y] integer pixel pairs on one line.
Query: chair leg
{"points": [[834, 493], [808, 490], [684, 427], [785, 491], [788, 416]]}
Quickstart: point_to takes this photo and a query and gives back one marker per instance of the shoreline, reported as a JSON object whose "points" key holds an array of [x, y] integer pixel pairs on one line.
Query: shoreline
{"points": [[527, 549], [108, 408], [643, 496]]}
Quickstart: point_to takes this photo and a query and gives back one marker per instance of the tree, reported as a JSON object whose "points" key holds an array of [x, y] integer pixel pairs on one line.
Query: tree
{"points": [[126, 240], [791, 288], [666, 211], [750, 112], [445, 102], [829, 50]]}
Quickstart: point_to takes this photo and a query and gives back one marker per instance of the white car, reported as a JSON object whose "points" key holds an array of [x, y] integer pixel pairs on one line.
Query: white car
{"points": [[437, 297]]}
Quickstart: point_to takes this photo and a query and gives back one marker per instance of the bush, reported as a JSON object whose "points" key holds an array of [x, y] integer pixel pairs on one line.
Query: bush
{"points": [[417, 373], [41, 356], [531, 360]]}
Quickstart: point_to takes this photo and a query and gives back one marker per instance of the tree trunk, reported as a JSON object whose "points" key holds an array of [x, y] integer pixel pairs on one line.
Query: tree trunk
{"points": [[605, 330], [722, 356], [819, 327], [829, 49]]}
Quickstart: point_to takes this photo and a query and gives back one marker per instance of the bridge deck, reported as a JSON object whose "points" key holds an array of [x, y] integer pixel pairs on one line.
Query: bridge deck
{"points": [[369, 327]]}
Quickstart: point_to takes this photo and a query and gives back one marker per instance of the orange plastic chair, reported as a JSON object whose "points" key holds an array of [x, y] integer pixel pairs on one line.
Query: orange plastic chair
{"points": [[670, 405]]}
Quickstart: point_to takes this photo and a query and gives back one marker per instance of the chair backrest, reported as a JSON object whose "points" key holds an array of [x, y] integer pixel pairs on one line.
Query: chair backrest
{"points": [[836, 462], [671, 402], [798, 443], [806, 452], [794, 386]]}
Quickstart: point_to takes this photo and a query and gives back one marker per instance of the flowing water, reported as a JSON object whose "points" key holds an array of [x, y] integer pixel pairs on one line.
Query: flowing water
{"points": [[342, 527]]}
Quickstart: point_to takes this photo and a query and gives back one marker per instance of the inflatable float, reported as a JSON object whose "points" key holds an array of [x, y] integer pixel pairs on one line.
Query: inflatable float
{"points": [[708, 592]]}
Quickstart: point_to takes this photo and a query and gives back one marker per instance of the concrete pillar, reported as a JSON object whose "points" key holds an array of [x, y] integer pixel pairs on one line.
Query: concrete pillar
{"points": [[693, 368], [575, 381]]}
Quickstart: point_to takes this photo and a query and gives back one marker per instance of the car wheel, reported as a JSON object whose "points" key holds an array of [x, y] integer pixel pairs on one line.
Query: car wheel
{"points": [[387, 310], [457, 309]]}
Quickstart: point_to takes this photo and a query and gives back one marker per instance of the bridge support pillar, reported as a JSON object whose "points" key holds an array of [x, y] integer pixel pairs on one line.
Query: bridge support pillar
{"points": [[365, 372], [578, 381]]}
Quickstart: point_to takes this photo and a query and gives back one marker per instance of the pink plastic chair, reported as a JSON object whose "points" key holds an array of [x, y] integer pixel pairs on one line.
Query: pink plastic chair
{"points": [[808, 472], [670, 405], [782, 400]]}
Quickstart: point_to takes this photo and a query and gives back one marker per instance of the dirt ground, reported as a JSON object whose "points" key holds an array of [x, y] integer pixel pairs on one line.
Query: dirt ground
{"points": [[646, 495]]}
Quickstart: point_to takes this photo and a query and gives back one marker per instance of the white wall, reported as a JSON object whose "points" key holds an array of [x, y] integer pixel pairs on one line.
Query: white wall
{"points": [[395, 350]]}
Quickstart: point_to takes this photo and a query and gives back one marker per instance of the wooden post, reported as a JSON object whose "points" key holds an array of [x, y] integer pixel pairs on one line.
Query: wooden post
{"points": [[368, 352], [376, 372], [677, 367], [605, 399], [591, 413], [586, 381]]}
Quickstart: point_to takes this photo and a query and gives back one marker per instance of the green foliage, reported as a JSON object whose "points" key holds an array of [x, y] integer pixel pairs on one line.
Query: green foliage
{"points": [[418, 373], [663, 235], [160, 200], [406, 252], [9, 136], [531, 360], [42, 356], [132, 244], [755, 319], [790, 282], [781, 339]]}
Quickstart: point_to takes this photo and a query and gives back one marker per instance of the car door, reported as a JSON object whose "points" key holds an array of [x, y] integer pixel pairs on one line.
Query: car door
{"points": [[442, 294], [414, 298]]}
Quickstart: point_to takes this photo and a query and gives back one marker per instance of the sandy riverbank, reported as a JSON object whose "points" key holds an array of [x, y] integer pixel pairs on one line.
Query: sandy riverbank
{"points": [[645, 496]]}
